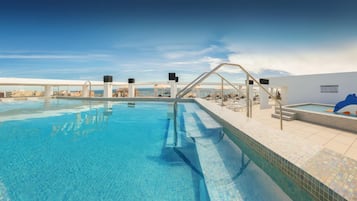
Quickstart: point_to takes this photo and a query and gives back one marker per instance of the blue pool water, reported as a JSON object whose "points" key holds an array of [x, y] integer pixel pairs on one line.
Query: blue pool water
{"points": [[317, 108], [92, 155], [314, 108], [83, 150]]}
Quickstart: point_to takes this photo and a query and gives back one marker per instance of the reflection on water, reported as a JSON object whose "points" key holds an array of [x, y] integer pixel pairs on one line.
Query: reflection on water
{"points": [[21, 110], [88, 116], [3, 193]]}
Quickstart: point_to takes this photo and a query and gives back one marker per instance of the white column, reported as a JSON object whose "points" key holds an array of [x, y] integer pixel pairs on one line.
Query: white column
{"points": [[264, 99], [284, 95], [156, 92], [173, 90], [48, 91], [131, 89], [251, 92], [85, 91], [108, 90]]}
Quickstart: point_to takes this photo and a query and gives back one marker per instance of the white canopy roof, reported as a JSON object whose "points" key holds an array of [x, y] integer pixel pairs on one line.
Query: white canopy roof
{"points": [[51, 82]]}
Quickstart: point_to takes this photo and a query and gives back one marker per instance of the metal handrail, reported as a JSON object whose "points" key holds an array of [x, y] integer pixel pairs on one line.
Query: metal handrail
{"points": [[232, 85], [189, 84], [203, 76]]}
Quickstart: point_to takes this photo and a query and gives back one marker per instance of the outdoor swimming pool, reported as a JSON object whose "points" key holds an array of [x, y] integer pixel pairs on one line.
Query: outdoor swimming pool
{"points": [[92, 150]]}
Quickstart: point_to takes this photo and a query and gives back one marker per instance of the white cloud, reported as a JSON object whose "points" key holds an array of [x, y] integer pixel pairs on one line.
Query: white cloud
{"points": [[189, 53], [52, 56], [302, 61]]}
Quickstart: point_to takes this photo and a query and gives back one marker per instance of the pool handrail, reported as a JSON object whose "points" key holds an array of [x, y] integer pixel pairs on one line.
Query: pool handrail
{"points": [[203, 76]]}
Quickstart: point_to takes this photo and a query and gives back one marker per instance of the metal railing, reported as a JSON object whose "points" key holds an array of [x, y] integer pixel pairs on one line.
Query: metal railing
{"points": [[204, 76]]}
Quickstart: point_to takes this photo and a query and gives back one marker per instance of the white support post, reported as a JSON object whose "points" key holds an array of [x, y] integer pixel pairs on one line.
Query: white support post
{"points": [[108, 90], [173, 87], [108, 86], [48, 91], [251, 94], [264, 99], [131, 87], [284, 95], [131, 90], [85, 90]]}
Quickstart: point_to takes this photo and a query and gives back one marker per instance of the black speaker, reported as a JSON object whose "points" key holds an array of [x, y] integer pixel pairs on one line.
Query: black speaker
{"points": [[176, 79], [172, 76], [108, 78], [264, 81], [131, 80]]}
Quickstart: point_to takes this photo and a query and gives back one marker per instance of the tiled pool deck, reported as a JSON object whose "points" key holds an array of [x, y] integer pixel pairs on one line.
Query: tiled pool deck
{"points": [[316, 157]]}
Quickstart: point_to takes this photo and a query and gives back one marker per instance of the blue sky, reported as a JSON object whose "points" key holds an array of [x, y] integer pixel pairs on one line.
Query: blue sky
{"points": [[147, 39]]}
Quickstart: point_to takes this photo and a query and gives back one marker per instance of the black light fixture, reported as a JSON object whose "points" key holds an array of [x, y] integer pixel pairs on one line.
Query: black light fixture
{"points": [[172, 76], [131, 80], [108, 78], [264, 81]]}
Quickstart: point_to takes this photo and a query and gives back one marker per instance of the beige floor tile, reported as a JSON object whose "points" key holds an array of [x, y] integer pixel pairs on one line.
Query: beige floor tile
{"points": [[318, 139], [326, 134], [303, 135], [352, 153], [348, 140], [354, 144], [348, 134], [337, 147], [337, 140]]}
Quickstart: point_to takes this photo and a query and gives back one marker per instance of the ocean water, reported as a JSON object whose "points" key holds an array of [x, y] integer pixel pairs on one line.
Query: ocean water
{"points": [[147, 92]]}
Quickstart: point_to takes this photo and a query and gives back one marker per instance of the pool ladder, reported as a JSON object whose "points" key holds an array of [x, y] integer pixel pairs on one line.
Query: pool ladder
{"points": [[188, 88]]}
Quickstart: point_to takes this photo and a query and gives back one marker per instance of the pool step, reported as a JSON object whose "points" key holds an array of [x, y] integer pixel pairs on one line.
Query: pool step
{"points": [[200, 125], [228, 174], [286, 115], [208, 122], [218, 178]]}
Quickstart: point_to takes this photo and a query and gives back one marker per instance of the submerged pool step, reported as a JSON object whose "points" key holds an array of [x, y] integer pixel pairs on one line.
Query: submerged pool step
{"points": [[207, 121], [198, 123], [191, 127], [191, 107], [230, 175], [195, 127]]}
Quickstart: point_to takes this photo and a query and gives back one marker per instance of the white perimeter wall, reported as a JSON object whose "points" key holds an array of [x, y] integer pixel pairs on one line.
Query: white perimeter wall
{"points": [[306, 88]]}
